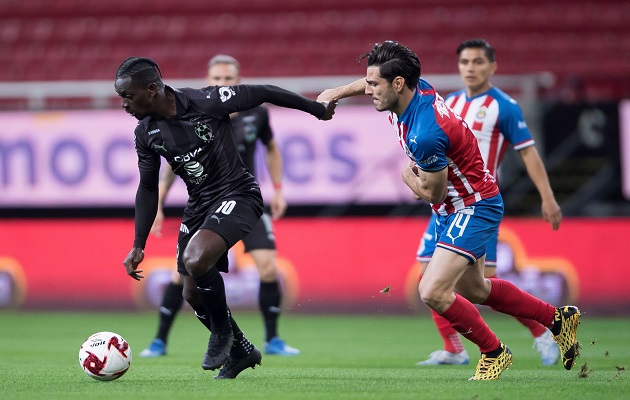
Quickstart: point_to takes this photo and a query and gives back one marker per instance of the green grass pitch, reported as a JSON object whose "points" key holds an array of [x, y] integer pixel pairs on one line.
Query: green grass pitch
{"points": [[343, 357]]}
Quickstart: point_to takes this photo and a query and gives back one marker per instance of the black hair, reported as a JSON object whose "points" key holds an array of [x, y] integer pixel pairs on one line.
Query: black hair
{"points": [[395, 59], [142, 71], [478, 44]]}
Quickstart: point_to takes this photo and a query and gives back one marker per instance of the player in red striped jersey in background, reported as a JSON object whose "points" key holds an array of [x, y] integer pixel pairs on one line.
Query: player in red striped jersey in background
{"points": [[496, 121]]}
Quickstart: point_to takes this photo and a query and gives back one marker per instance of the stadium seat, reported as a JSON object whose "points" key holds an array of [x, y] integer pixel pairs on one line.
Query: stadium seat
{"points": [[306, 37]]}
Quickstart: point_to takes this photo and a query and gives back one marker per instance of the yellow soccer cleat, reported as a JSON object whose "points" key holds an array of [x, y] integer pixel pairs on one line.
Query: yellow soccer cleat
{"points": [[566, 321], [490, 368]]}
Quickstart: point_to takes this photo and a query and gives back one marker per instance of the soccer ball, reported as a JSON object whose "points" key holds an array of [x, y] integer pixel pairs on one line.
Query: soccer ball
{"points": [[105, 356]]}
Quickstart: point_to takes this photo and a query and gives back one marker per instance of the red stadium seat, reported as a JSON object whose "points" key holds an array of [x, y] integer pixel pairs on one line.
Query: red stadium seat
{"points": [[75, 39]]}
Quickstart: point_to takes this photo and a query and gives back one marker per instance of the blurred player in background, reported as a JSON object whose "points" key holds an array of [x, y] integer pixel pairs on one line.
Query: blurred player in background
{"points": [[249, 126], [192, 130], [447, 170], [497, 121]]}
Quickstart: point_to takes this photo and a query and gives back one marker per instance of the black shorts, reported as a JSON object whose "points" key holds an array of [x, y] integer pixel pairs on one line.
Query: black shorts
{"points": [[231, 217], [262, 237]]}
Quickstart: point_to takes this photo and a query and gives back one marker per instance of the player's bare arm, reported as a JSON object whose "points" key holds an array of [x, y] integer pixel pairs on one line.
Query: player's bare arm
{"points": [[430, 186], [535, 167], [278, 204], [341, 92]]}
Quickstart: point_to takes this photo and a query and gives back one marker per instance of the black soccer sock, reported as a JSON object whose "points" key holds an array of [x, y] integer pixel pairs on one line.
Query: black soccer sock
{"points": [[241, 346], [269, 299], [211, 290], [171, 304], [202, 315]]}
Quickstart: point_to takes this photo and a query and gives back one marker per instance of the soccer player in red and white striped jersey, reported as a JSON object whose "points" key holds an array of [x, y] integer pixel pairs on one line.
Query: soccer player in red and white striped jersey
{"points": [[497, 122]]}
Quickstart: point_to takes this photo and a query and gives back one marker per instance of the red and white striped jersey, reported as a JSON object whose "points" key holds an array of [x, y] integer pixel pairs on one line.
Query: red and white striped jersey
{"points": [[496, 120]]}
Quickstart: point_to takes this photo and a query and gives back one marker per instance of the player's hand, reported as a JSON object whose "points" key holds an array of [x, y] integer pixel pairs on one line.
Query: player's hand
{"points": [[133, 259], [156, 229], [327, 95], [551, 212], [330, 109], [410, 172], [278, 205]]}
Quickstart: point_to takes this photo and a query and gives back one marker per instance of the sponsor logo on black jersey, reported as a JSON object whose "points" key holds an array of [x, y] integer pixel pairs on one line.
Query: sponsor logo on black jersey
{"points": [[159, 147], [188, 156], [193, 168], [217, 218], [195, 171]]}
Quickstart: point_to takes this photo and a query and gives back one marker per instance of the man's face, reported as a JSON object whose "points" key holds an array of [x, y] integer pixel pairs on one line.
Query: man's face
{"points": [[223, 75], [475, 69], [136, 100], [383, 94]]}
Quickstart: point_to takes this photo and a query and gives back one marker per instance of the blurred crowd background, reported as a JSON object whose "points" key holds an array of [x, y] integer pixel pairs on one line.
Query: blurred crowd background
{"points": [[566, 62]]}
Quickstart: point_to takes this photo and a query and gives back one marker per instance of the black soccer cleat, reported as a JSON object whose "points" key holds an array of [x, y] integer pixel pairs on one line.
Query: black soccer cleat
{"points": [[235, 366], [219, 347]]}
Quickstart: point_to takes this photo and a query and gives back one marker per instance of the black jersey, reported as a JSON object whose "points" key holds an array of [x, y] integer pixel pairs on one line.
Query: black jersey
{"points": [[199, 144], [249, 127]]}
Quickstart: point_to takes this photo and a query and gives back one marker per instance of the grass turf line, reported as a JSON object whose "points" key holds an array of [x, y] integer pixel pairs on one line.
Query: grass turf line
{"points": [[343, 357]]}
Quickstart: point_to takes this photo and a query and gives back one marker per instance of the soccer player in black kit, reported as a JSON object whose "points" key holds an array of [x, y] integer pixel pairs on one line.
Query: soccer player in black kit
{"points": [[250, 126], [192, 130]]}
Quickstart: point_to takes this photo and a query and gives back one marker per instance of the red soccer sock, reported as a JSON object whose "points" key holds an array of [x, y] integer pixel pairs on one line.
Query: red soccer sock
{"points": [[451, 338], [534, 327], [465, 318], [505, 297]]}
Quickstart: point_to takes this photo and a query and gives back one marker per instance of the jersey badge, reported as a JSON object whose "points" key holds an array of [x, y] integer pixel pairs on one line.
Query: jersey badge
{"points": [[204, 132], [226, 93], [481, 114]]}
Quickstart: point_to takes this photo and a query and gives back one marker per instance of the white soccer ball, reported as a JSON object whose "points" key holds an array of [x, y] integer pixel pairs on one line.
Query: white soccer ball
{"points": [[105, 356]]}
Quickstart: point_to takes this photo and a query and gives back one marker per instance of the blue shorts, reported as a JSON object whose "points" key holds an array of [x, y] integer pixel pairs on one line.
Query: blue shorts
{"points": [[470, 232]]}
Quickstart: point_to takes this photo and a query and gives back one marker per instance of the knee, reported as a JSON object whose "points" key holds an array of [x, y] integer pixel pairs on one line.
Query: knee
{"points": [[194, 263], [265, 260], [268, 271], [431, 296]]}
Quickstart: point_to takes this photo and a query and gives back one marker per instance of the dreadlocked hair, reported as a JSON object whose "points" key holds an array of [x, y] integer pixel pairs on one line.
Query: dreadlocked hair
{"points": [[142, 70]]}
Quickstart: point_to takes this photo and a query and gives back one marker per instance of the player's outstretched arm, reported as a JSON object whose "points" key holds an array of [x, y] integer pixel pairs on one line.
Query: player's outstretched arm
{"points": [[535, 167], [341, 92], [250, 96]]}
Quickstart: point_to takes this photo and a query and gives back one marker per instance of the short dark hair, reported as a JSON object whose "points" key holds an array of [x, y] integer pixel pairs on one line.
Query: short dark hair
{"points": [[142, 71], [478, 44], [395, 59]]}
